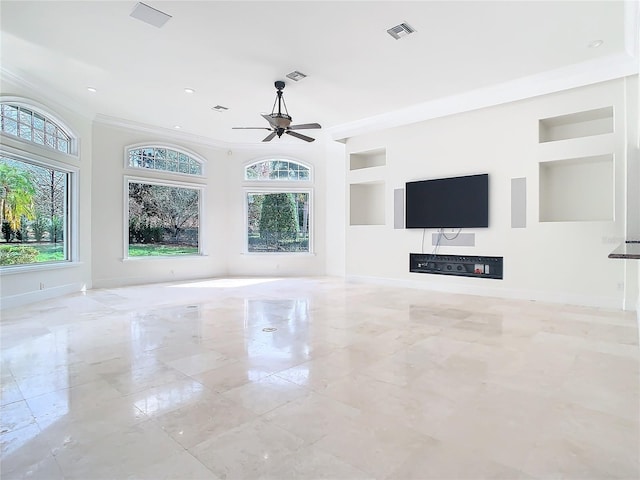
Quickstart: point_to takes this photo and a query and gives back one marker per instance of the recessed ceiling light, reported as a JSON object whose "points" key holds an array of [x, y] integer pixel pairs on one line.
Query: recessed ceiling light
{"points": [[92, 89], [177, 127], [150, 15], [401, 30], [296, 75], [596, 43], [189, 90]]}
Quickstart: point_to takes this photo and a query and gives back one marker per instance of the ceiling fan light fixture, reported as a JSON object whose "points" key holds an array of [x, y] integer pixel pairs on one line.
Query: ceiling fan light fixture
{"points": [[296, 75], [400, 31]]}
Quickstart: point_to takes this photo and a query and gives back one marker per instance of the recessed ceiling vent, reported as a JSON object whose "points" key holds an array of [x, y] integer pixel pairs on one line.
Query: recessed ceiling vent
{"points": [[296, 76], [400, 31], [150, 15], [219, 108]]}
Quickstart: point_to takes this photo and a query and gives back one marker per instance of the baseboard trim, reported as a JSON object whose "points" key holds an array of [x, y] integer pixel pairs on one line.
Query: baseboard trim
{"points": [[488, 291], [28, 298]]}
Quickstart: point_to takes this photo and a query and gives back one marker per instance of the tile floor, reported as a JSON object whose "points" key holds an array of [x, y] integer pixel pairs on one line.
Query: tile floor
{"points": [[358, 381]]}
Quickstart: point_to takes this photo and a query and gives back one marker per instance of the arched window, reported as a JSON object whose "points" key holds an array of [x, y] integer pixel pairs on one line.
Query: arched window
{"points": [[37, 189], [278, 206], [163, 211], [276, 169], [164, 159], [29, 125]]}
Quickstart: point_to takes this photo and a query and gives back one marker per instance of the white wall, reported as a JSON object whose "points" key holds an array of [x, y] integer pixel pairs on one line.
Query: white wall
{"points": [[554, 261], [43, 283], [240, 263], [108, 210], [223, 224]]}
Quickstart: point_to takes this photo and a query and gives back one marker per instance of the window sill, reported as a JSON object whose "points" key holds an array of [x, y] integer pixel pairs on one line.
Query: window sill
{"points": [[279, 254], [164, 257], [16, 269]]}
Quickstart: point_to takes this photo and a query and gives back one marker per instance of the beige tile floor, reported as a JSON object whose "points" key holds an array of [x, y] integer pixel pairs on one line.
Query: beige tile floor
{"points": [[358, 381]]}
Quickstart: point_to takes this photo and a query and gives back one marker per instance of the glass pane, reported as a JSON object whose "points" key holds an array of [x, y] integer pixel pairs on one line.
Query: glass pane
{"points": [[196, 168], [25, 131], [50, 128], [34, 230], [163, 220], [38, 137], [25, 116], [49, 140], [172, 155], [161, 153], [11, 112], [63, 145], [161, 164], [10, 126], [38, 122], [278, 222], [251, 172], [184, 167], [172, 166]]}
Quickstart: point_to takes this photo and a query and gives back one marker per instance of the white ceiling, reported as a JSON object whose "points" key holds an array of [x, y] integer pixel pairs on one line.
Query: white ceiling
{"points": [[232, 52]]}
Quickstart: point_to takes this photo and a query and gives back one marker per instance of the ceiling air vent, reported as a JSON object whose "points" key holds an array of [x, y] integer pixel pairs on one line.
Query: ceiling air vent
{"points": [[150, 15], [296, 76], [400, 31], [219, 108]]}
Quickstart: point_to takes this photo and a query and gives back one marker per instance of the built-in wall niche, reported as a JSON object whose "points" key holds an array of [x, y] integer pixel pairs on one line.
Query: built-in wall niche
{"points": [[577, 189], [368, 159], [367, 203], [576, 125]]}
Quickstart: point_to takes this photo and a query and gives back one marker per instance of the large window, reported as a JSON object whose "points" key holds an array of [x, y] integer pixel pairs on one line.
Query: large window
{"points": [[34, 212], [164, 219], [37, 187], [278, 208]]}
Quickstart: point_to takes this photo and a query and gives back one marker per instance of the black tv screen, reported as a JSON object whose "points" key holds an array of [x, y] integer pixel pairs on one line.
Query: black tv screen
{"points": [[458, 202]]}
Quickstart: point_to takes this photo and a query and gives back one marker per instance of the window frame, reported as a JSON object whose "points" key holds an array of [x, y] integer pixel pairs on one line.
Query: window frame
{"points": [[71, 228], [278, 186], [169, 146], [128, 179]]}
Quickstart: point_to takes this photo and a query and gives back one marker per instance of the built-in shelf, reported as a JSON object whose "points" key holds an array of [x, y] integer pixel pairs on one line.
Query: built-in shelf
{"points": [[577, 189], [367, 203], [576, 125], [368, 159]]}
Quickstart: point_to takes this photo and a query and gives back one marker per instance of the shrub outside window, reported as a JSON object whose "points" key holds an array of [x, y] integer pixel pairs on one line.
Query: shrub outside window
{"points": [[278, 216], [278, 221]]}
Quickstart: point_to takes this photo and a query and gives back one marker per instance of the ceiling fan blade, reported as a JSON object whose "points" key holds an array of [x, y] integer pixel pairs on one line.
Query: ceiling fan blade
{"points": [[304, 126], [269, 137], [300, 136], [269, 119], [250, 128]]}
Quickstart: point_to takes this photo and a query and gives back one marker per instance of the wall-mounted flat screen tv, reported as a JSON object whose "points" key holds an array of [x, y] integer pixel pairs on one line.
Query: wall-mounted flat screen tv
{"points": [[457, 202]]}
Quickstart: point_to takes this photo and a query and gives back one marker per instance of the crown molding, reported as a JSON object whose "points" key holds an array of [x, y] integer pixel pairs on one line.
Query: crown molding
{"points": [[572, 76], [53, 99], [169, 134]]}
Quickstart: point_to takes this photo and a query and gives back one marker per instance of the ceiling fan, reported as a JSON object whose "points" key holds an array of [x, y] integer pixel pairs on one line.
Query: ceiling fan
{"points": [[279, 122]]}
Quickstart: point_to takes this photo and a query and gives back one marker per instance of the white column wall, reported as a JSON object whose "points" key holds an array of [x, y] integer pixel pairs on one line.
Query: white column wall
{"points": [[554, 261]]}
